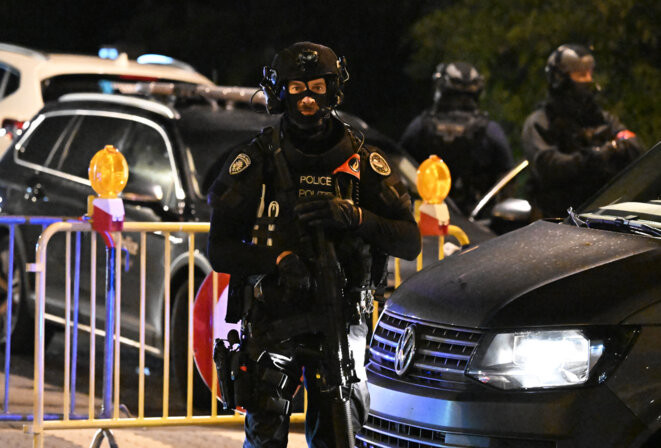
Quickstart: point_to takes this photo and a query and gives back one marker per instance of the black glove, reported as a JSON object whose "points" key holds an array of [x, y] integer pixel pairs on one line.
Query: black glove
{"points": [[293, 273], [596, 157], [626, 147], [330, 213]]}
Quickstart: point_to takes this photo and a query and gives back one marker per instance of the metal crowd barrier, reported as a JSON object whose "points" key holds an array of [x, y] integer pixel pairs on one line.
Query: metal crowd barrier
{"points": [[107, 416], [11, 222]]}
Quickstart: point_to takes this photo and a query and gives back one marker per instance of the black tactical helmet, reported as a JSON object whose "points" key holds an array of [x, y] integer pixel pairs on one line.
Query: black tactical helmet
{"points": [[303, 61], [459, 77], [564, 60]]}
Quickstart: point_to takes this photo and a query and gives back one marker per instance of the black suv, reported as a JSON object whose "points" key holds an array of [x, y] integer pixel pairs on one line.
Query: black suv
{"points": [[174, 153], [546, 337]]}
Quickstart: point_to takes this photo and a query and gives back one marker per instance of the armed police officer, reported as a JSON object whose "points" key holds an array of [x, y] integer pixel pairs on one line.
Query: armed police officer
{"points": [[474, 147], [573, 146], [310, 174]]}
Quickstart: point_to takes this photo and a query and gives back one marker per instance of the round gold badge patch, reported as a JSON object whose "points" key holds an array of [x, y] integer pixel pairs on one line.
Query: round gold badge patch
{"points": [[240, 163], [379, 164]]}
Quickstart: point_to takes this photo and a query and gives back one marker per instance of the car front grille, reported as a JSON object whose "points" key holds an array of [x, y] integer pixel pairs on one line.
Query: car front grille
{"points": [[440, 358], [379, 432]]}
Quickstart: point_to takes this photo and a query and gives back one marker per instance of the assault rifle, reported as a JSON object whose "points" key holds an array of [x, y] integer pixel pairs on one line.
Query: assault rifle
{"points": [[340, 372]]}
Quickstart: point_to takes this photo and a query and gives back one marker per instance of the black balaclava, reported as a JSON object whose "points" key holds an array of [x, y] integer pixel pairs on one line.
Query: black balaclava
{"points": [[577, 101], [307, 122], [453, 100]]}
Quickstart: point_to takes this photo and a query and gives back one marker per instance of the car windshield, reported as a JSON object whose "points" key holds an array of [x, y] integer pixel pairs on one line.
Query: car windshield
{"points": [[639, 182]]}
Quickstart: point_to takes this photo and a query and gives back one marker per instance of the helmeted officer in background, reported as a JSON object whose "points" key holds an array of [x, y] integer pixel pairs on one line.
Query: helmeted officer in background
{"points": [[260, 232], [573, 146], [474, 147]]}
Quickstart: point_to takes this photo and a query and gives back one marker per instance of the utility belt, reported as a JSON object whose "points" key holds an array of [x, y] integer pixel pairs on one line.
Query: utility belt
{"points": [[290, 313], [265, 292]]}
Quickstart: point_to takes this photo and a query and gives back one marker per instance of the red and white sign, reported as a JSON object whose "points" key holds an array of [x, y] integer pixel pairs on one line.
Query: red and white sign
{"points": [[209, 324]]}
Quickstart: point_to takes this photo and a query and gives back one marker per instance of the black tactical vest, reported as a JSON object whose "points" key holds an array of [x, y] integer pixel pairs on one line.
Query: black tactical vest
{"points": [[331, 173]]}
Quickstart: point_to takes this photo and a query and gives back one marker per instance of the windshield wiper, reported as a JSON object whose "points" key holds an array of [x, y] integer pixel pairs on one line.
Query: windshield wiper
{"points": [[621, 224], [629, 225]]}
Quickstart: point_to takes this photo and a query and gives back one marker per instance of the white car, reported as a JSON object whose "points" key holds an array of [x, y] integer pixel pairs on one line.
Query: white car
{"points": [[29, 78]]}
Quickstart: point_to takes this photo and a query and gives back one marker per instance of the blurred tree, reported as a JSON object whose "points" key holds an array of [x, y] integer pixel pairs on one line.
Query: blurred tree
{"points": [[510, 40]]}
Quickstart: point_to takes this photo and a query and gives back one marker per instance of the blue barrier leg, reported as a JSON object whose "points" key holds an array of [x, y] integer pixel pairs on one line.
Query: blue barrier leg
{"points": [[10, 297]]}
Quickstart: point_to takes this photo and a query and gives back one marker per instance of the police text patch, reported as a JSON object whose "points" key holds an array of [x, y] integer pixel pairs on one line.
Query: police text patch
{"points": [[379, 164], [240, 163]]}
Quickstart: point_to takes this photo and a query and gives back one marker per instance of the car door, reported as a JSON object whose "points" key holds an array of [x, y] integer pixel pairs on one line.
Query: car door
{"points": [[58, 151]]}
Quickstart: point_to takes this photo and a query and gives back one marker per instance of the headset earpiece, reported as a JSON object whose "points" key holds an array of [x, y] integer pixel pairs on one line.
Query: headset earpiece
{"points": [[269, 85], [339, 97], [342, 70], [341, 79]]}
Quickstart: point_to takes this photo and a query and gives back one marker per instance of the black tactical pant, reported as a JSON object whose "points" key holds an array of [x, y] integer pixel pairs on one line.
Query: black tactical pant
{"points": [[266, 428]]}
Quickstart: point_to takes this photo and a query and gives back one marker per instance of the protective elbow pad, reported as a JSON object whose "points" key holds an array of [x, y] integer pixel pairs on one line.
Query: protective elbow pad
{"points": [[394, 194]]}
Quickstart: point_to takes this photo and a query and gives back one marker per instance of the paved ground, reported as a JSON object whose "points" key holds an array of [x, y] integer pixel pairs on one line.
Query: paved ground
{"points": [[12, 435], [193, 437], [20, 402]]}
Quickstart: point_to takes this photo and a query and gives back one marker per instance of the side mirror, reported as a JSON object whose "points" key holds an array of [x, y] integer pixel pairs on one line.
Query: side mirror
{"points": [[512, 209], [510, 214]]}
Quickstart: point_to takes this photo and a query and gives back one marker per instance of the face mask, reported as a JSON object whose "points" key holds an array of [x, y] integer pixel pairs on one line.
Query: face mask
{"points": [[293, 113], [578, 101], [584, 91]]}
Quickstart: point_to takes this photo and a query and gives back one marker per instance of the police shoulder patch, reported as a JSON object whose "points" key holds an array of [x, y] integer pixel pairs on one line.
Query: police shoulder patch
{"points": [[240, 163], [379, 164]]}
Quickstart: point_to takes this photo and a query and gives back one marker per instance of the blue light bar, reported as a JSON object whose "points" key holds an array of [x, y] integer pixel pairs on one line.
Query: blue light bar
{"points": [[108, 53], [155, 59], [159, 59]]}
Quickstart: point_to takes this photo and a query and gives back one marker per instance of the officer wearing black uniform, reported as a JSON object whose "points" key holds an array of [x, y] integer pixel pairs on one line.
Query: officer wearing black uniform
{"points": [[311, 170], [573, 146], [474, 147]]}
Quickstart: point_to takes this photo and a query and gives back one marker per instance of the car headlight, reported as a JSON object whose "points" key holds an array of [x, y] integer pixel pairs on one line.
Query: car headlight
{"points": [[549, 358]]}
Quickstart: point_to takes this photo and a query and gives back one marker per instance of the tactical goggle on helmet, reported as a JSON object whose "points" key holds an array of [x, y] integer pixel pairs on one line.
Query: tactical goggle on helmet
{"points": [[459, 77], [566, 59], [303, 61]]}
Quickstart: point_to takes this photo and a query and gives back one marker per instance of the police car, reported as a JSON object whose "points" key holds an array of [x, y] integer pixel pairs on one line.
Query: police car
{"points": [[29, 78]]}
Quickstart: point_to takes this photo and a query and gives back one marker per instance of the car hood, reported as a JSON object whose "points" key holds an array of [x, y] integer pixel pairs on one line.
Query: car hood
{"points": [[545, 274]]}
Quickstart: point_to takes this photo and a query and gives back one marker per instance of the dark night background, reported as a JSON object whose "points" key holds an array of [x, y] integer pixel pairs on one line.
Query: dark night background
{"points": [[391, 46]]}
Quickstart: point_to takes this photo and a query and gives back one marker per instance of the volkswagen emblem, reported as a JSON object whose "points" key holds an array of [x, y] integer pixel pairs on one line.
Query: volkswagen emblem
{"points": [[405, 350]]}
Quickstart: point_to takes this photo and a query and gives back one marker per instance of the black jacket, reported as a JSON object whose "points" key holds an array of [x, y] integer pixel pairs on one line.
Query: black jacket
{"points": [[570, 161], [388, 225], [474, 147]]}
